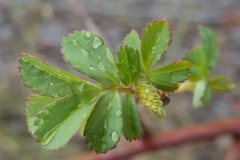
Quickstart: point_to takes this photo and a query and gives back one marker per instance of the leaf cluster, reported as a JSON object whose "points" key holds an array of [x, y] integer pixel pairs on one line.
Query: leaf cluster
{"points": [[204, 58], [65, 103]]}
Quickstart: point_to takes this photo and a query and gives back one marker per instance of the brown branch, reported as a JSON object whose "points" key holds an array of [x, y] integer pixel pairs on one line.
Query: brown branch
{"points": [[234, 151], [169, 139]]}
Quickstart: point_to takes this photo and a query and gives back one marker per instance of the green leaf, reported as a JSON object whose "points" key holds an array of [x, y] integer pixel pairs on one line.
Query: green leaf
{"points": [[104, 126], [155, 39], [132, 128], [129, 66], [199, 69], [221, 84], [210, 46], [89, 55], [167, 78], [60, 120], [132, 40], [50, 81], [198, 94], [35, 104]]}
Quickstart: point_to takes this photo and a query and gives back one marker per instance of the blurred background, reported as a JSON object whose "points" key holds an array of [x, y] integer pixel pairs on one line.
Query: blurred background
{"points": [[37, 27]]}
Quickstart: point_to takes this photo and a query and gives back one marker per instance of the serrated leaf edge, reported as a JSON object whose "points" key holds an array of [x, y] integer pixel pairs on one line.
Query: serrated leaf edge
{"points": [[170, 29]]}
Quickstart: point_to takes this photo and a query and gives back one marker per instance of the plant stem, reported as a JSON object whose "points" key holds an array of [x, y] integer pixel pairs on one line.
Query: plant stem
{"points": [[120, 89], [169, 139]]}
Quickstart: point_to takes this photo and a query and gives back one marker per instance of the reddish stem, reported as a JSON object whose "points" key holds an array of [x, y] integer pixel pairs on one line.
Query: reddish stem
{"points": [[234, 151], [169, 139]]}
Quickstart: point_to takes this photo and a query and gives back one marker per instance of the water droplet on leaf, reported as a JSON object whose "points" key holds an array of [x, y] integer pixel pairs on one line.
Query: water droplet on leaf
{"points": [[75, 43], [38, 122], [85, 52], [114, 136], [80, 88], [45, 111], [102, 66], [99, 58], [91, 67], [119, 112], [158, 37], [88, 34], [55, 95], [51, 83], [96, 42], [105, 125], [84, 115], [110, 56]]}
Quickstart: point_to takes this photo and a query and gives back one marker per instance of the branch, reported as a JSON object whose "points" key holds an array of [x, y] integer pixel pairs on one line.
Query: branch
{"points": [[234, 151], [169, 139]]}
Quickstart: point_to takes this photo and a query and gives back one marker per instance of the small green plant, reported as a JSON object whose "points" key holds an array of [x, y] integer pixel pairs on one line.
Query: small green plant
{"points": [[203, 59], [65, 103]]}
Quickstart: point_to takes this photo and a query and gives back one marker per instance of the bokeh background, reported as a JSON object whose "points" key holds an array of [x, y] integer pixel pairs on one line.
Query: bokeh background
{"points": [[38, 26]]}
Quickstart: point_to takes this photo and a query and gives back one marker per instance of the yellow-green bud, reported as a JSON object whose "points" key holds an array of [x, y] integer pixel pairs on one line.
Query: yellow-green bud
{"points": [[149, 97]]}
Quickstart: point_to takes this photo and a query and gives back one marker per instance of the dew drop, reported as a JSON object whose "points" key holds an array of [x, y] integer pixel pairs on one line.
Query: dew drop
{"points": [[158, 37], [105, 125], [91, 67], [88, 34], [46, 111], [114, 136], [95, 137], [85, 52], [99, 58], [79, 105], [55, 95], [102, 66], [119, 112], [84, 115], [34, 88], [90, 144], [110, 56], [36, 66], [80, 88], [96, 42], [38, 122], [56, 141], [51, 83]]}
